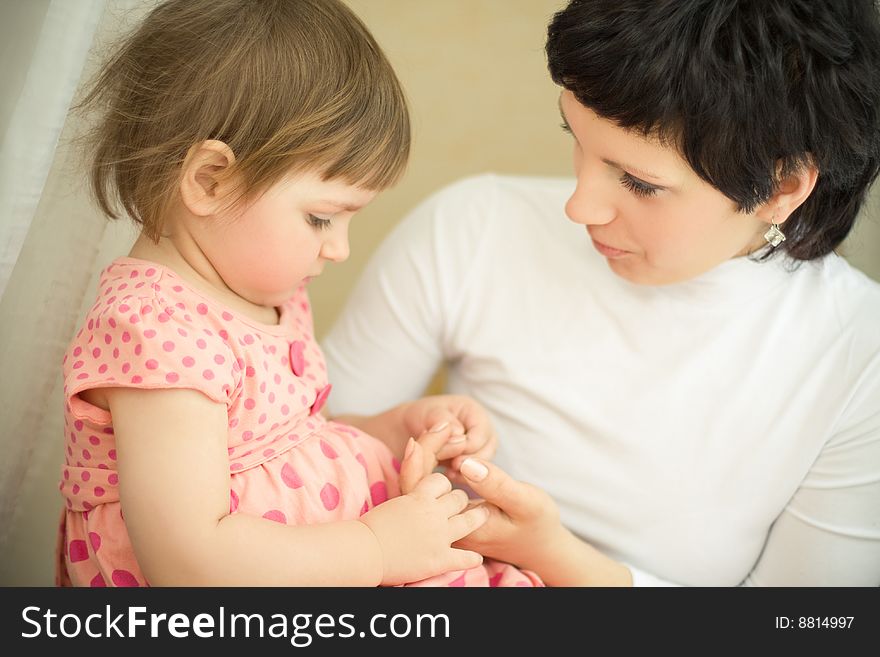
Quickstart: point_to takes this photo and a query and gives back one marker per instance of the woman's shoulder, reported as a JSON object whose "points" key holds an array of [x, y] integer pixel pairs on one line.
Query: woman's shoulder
{"points": [[852, 294], [492, 190], [852, 287], [471, 208]]}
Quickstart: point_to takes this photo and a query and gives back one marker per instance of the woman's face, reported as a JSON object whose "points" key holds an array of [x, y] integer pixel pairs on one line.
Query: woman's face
{"points": [[654, 220]]}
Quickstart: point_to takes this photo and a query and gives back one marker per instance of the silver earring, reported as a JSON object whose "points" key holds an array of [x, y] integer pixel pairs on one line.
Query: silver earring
{"points": [[774, 236]]}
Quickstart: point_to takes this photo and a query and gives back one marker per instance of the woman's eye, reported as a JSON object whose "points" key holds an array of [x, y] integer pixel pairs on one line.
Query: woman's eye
{"points": [[318, 222], [638, 187]]}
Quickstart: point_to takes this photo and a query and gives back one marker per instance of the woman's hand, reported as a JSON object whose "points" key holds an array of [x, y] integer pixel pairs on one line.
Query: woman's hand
{"points": [[458, 427], [464, 421], [524, 529]]}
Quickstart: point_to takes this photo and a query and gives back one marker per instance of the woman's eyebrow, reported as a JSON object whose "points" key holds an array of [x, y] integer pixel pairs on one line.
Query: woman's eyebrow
{"points": [[641, 173], [623, 167]]}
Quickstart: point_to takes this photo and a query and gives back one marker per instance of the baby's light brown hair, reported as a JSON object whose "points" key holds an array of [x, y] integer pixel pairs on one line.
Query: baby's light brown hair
{"points": [[288, 85]]}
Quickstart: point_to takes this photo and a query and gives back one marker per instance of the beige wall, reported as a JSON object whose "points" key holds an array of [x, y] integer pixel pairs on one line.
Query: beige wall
{"points": [[481, 101]]}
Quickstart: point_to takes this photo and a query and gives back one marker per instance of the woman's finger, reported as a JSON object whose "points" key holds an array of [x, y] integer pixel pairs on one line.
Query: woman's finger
{"points": [[494, 485], [483, 453], [433, 441]]}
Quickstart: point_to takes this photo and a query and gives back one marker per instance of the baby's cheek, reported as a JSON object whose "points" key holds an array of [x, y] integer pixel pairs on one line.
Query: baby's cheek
{"points": [[272, 273]]}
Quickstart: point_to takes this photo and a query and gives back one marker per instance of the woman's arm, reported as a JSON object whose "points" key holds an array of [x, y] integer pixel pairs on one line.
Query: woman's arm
{"points": [[827, 535], [385, 347], [829, 532], [387, 426], [174, 489], [399, 323]]}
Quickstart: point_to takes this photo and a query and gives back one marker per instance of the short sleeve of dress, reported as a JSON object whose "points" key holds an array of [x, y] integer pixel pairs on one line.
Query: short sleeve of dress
{"points": [[139, 335]]}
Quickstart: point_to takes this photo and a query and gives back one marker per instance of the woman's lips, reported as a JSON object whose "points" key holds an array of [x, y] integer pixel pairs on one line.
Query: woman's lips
{"points": [[608, 251]]}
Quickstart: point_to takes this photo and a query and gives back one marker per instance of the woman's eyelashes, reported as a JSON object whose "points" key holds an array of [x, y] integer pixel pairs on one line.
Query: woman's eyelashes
{"points": [[318, 222], [638, 187]]}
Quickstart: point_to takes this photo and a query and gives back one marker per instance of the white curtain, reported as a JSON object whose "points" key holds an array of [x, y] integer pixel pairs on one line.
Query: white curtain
{"points": [[52, 244], [37, 93]]}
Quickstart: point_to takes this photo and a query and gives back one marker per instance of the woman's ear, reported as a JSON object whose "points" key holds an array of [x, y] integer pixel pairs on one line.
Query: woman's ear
{"points": [[791, 192], [203, 185]]}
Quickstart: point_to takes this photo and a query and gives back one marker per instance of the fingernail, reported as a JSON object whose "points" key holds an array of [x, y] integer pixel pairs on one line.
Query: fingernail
{"points": [[473, 470], [438, 427], [409, 447], [454, 440]]}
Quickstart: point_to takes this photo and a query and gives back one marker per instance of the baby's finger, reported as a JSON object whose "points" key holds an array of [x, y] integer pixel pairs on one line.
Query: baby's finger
{"points": [[487, 533], [433, 486], [464, 559], [466, 522], [454, 502], [411, 468]]}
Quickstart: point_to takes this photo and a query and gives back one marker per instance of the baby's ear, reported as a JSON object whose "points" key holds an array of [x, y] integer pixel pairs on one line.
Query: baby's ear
{"points": [[204, 180]]}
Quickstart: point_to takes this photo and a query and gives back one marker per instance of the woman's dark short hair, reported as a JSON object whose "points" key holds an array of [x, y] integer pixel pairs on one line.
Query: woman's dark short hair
{"points": [[747, 90]]}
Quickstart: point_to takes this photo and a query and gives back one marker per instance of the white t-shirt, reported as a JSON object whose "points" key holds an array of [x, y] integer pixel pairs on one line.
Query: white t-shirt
{"points": [[719, 431]]}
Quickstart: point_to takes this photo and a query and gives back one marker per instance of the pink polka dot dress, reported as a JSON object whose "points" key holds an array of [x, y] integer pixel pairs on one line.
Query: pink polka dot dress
{"points": [[150, 329]]}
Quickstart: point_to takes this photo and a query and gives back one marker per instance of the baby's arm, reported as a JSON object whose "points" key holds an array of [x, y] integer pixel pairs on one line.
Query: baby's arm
{"points": [[174, 489]]}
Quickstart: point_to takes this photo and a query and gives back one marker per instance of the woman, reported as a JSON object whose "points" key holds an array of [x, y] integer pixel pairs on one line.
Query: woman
{"points": [[694, 378]]}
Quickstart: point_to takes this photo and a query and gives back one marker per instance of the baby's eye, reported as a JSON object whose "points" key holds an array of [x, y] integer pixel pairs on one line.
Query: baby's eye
{"points": [[318, 222]]}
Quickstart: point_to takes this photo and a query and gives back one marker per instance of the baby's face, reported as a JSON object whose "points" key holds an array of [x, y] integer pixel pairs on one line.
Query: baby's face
{"points": [[283, 237]]}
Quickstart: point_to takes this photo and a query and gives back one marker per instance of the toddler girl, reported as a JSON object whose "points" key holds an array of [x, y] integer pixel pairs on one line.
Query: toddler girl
{"points": [[242, 136]]}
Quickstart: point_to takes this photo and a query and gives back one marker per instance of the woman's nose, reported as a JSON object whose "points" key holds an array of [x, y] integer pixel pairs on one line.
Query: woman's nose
{"points": [[590, 204]]}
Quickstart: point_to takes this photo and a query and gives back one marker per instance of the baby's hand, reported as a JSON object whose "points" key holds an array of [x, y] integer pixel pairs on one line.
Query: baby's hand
{"points": [[415, 531], [420, 458], [465, 422]]}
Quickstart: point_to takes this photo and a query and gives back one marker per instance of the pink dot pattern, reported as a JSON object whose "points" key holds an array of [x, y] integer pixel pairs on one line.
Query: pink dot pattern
{"points": [[149, 329]]}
